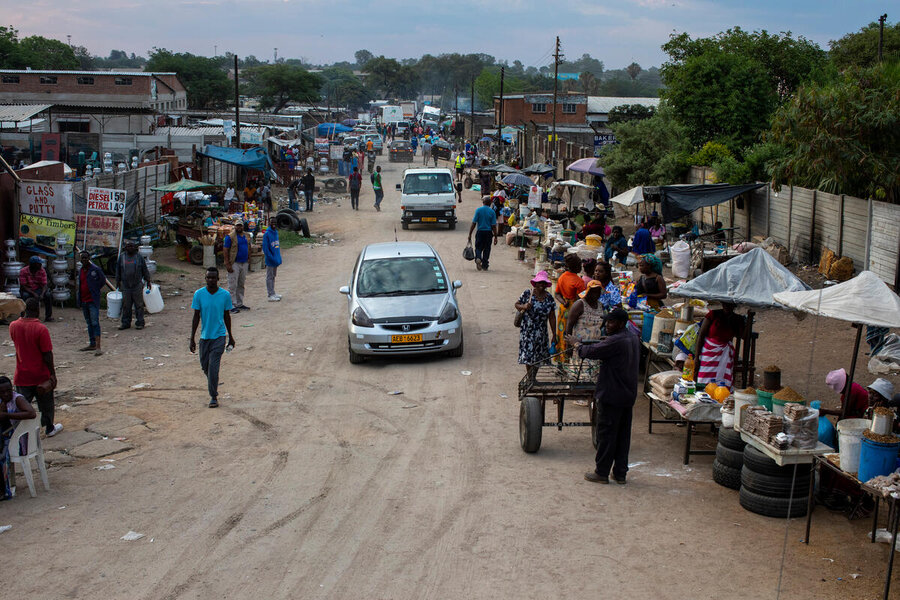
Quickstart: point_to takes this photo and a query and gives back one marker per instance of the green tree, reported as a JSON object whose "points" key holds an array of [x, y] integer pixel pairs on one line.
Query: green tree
{"points": [[487, 85], [206, 83], [277, 85], [590, 86], [342, 87], [843, 137], [392, 79], [362, 57], [650, 151], [35, 52], [860, 49], [630, 112], [633, 70]]}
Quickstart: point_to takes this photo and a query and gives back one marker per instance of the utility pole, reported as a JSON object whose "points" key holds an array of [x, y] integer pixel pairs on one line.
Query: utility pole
{"points": [[553, 143], [456, 121], [237, 106], [500, 116], [881, 21], [215, 50], [276, 55], [472, 111]]}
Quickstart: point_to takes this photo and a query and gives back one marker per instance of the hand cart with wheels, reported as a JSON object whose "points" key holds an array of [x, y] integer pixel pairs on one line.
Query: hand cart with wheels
{"points": [[548, 381]]}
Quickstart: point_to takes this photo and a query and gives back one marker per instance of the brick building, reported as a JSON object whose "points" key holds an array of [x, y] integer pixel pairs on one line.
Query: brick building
{"points": [[522, 109]]}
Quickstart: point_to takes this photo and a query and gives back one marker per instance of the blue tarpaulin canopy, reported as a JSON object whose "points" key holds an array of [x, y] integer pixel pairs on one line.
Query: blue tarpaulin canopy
{"points": [[252, 158], [331, 129]]}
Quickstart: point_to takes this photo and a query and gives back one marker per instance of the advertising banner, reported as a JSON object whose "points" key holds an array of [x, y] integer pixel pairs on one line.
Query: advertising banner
{"points": [[102, 231], [106, 200], [46, 199], [41, 232]]}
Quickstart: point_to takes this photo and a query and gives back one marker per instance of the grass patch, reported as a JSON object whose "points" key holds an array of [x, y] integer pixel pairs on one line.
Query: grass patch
{"points": [[289, 239], [167, 269]]}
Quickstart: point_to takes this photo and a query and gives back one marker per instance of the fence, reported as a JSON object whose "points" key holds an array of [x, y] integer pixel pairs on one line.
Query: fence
{"points": [[137, 183], [805, 221]]}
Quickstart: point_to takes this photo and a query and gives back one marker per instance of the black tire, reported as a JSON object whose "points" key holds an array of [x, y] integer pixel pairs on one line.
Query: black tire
{"points": [[531, 423], [195, 255], [404, 225], [451, 225], [729, 458], [768, 506], [355, 359], [458, 351], [467, 182], [775, 487], [731, 439], [302, 227], [726, 476], [762, 464], [340, 185], [286, 221]]}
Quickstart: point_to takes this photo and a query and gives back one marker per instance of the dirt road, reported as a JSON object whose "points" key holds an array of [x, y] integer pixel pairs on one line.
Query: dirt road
{"points": [[311, 481]]}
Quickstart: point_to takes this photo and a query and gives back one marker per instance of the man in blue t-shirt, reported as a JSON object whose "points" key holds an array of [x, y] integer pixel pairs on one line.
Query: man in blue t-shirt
{"points": [[272, 253], [211, 305], [485, 219], [237, 263]]}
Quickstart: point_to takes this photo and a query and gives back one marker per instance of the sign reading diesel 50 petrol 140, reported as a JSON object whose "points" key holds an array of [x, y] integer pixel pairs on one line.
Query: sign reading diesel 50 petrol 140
{"points": [[106, 200], [46, 199]]}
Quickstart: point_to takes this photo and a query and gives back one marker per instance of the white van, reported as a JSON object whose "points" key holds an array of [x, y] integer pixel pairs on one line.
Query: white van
{"points": [[427, 196]]}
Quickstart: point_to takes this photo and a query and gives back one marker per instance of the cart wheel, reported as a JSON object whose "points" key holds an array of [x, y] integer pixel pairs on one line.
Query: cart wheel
{"points": [[195, 254], [531, 423], [468, 182]]}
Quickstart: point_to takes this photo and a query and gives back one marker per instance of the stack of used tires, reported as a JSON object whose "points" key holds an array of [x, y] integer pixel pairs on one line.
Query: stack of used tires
{"points": [[729, 459], [766, 488], [290, 220]]}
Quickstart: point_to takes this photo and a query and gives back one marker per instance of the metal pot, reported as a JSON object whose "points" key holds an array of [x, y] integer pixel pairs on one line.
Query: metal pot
{"points": [[145, 240], [60, 279], [151, 266], [11, 269], [145, 251], [61, 294], [60, 264]]}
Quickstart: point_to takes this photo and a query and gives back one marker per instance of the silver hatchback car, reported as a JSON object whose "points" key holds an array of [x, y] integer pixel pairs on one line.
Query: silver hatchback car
{"points": [[400, 301]]}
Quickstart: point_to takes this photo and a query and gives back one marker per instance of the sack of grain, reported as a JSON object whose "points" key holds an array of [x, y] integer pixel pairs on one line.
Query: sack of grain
{"points": [[841, 269], [666, 379]]}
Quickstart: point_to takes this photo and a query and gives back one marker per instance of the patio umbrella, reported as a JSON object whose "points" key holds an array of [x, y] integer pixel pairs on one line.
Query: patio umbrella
{"points": [[499, 168], [863, 300], [518, 179], [538, 169], [633, 196], [586, 165], [184, 185]]}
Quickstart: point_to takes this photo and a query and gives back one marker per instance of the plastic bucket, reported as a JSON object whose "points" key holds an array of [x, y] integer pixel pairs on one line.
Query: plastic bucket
{"points": [[740, 401], [849, 437], [778, 406], [153, 299], [765, 399], [876, 459], [114, 305], [647, 326]]}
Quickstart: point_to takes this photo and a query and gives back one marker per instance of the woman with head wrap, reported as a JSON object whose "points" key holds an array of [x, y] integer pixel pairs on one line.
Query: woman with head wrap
{"points": [[568, 286], [651, 284]]}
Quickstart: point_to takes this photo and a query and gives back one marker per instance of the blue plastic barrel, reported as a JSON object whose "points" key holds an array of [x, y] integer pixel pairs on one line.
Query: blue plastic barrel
{"points": [[647, 326], [876, 459]]}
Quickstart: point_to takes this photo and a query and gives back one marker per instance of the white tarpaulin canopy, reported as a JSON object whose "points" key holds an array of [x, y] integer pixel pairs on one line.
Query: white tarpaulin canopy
{"points": [[750, 278], [630, 198], [864, 299]]}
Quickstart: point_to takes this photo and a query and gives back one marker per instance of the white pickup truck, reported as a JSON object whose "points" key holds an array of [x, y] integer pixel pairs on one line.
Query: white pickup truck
{"points": [[427, 196]]}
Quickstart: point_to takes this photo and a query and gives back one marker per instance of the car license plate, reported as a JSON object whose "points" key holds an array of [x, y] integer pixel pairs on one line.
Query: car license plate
{"points": [[405, 339], [429, 219]]}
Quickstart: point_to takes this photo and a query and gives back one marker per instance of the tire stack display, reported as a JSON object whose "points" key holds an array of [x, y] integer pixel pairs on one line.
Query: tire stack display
{"points": [[290, 220], [766, 488], [729, 460]]}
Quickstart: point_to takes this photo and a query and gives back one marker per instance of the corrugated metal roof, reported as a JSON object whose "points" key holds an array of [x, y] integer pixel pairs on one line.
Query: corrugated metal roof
{"points": [[118, 73], [203, 130], [604, 104], [21, 112]]}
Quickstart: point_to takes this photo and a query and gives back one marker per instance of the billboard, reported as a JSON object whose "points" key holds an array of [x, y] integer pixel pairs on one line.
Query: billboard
{"points": [[46, 199], [102, 231], [41, 232], [106, 200]]}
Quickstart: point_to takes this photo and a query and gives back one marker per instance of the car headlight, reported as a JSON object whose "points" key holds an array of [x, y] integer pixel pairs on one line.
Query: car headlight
{"points": [[448, 314], [448, 213], [361, 319]]}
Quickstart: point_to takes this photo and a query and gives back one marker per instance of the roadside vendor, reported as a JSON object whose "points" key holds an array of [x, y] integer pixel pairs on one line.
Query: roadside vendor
{"points": [[651, 283], [861, 399], [715, 346], [616, 246]]}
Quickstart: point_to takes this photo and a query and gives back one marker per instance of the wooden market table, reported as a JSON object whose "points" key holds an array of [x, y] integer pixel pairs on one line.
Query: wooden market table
{"points": [[893, 505]]}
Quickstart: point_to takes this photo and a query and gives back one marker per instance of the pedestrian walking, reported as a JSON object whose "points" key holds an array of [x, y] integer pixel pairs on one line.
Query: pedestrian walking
{"points": [[485, 220], [434, 153], [426, 151], [211, 306], [33, 284], [90, 281], [272, 253], [237, 262], [265, 197], [460, 165], [376, 185], [355, 186], [35, 374], [615, 394], [292, 189], [131, 272], [309, 186]]}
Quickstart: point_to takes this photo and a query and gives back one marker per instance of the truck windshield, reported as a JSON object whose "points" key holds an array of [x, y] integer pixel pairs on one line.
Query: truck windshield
{"points": [[428, 183]]}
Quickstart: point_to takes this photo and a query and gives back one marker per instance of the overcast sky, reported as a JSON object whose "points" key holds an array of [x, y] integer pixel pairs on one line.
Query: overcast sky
{"points": [[616, 32]]}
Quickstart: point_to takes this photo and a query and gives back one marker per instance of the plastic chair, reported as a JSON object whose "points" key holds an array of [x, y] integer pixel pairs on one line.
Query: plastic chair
{"points": [[35, 450]]}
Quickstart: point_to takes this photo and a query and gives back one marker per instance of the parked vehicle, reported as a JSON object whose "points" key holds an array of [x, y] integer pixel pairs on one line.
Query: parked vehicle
{"points": [[442, 149], [401, 151], [427, 196], [351, 142], [400, 301], [377, 142]]}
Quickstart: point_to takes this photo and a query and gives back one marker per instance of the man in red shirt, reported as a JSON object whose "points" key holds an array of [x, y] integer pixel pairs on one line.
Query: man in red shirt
{"points": [[35, 375], [33, 283]]}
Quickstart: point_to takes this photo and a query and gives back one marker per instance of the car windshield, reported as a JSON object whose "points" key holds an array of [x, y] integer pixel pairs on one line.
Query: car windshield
{"points": [[428, 183], [402, 276]]}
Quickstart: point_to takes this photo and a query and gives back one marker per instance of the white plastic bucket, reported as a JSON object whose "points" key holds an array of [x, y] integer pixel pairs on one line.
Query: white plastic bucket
{"points": [[740, 401], [850, 438], [114, 304], [153, 299], [681, 259]]}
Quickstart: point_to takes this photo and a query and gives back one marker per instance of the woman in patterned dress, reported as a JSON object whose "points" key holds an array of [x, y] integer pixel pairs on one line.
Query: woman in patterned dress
{"points": [[537, 305]]}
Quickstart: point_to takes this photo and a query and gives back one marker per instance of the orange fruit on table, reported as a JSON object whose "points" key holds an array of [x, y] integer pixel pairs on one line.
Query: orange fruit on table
{"points": [[711, 389], [721, 394]]}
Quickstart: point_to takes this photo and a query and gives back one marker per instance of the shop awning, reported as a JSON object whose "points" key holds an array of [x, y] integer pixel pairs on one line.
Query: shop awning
{"points": [[680, 200], [752, 278], [251, 158], [864, 299], [21, 112]]}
